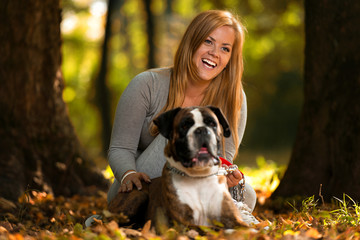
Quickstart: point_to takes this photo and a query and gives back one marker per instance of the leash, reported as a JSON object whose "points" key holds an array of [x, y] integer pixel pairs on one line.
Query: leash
{"points": [[238, 190]]}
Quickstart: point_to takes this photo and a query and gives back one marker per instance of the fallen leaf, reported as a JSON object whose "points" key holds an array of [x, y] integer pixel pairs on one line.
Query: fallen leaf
{"points": [[313, 233], [3, 230], [132, 232], [16, 236], [146, 227], [112, 225], [107, 213], [6, 205], [192, 233], [291, 232]]}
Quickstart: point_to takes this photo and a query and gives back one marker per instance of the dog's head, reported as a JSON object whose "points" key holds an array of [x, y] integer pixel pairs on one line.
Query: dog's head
{"points": [[194, 136]]}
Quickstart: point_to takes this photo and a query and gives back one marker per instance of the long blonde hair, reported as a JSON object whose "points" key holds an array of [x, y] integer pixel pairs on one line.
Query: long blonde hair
{"points": [[225, 90]]}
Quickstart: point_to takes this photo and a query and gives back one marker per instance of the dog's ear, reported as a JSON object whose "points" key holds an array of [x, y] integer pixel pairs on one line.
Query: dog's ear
{"points": [[222, 120], [164, 122]]}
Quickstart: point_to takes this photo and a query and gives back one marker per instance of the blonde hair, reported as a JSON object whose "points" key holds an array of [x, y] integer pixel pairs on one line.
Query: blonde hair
{"points": [[225, 90]]}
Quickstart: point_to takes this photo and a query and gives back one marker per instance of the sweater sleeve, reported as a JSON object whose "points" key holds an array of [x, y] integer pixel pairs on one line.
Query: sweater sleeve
{"points": [[230, 147], [131, 112]]}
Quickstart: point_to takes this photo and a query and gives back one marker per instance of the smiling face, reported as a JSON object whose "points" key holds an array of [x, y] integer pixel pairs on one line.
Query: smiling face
{"points": [[214, 53]]}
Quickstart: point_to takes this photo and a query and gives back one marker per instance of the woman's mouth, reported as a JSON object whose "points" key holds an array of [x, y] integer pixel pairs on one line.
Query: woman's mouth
{"points": [[208, 63]]}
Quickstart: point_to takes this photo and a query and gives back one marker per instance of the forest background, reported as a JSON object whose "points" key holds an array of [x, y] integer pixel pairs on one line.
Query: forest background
{"points": [[49, 186], [101, 56]]}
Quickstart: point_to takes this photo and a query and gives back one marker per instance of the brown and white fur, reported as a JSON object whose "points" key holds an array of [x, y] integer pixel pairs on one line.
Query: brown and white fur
{"points": [[189, 192], [194, 193]]}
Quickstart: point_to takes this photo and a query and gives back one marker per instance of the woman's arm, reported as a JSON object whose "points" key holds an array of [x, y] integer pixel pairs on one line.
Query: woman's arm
{"points": [[129, 118], [230, 147]]}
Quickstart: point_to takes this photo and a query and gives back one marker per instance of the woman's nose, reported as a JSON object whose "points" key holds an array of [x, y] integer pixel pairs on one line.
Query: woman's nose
{"points": [[214, 51]]}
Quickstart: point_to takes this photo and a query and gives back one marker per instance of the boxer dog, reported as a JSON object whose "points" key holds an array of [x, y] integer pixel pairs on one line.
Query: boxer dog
{"points": [[189, 192]]}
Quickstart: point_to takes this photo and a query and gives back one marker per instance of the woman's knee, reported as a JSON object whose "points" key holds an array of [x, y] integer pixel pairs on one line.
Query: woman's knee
{"points": [[113, 190], [249, 196]]}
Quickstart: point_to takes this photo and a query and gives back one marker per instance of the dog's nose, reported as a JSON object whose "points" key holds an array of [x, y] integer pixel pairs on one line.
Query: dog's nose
{"points": [[202, 131]]}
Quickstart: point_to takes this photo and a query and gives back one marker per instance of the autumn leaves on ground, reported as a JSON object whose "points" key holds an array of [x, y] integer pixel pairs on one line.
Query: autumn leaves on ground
{"points": [[40, 215]]}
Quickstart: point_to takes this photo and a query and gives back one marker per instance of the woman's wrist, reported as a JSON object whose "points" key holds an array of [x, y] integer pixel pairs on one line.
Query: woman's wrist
{"points": [[127, 174]]}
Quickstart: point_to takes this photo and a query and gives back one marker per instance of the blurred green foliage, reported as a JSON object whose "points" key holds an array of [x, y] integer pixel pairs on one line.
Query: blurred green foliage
{"points": [[273, 55]]}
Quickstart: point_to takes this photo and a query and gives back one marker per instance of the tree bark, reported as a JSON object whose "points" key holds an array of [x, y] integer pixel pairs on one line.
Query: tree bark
{"points": [[327, 146], [150, 29], [38, 145], [102, 93]]}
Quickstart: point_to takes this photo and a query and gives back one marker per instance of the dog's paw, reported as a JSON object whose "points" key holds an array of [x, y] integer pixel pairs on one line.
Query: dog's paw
{"points": [[130, 204]]}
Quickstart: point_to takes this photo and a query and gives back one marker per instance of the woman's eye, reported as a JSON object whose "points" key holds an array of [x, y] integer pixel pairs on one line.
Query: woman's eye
{"points": [[226, 49], [207, 41]]}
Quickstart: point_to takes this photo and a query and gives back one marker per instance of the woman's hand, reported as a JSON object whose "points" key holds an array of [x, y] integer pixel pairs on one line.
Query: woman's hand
{"points": [[234, 177], [133, 179]]}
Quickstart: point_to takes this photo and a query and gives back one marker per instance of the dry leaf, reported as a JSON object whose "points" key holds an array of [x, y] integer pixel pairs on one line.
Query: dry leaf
{"points": [[6, 205], [132, 232], [291, 232], [313, 233], [112, 225], [192, 233], [146, 227], [3, 230]]}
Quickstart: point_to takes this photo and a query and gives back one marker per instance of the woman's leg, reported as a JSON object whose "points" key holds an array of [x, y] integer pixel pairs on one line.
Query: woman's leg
{"points": [[249, 196], [151, 162], [246, 196], [114, 189], [246, 205]]}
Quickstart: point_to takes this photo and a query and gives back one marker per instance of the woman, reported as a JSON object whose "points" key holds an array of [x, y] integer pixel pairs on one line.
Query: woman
{"points": [[207, 70]]}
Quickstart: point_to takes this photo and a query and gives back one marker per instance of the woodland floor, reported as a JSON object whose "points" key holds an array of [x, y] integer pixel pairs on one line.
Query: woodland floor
{"points": [[41, 216], [38, 215]]}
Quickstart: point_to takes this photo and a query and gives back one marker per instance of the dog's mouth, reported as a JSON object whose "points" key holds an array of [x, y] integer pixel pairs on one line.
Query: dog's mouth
{"points": [[202, 157]]}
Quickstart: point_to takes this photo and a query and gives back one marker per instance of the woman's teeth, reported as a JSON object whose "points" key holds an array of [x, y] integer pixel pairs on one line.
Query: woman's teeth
{"points": [[209, 63]]}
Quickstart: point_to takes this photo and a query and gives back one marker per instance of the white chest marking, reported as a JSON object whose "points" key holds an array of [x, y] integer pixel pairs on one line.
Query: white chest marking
{"points": [[203, 195]]}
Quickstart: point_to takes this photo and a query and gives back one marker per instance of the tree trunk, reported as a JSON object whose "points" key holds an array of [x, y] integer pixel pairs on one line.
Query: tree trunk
{"points": [[101, 90], [150, 29], [327, 147], [38, 146]]}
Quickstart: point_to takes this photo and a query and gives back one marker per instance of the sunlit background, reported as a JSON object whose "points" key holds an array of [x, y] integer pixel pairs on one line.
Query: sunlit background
{"points": [[273, 52]]}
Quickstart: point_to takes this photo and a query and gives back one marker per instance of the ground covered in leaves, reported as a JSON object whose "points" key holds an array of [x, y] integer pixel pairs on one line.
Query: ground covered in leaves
{"points": [[41, 216], [38, 215]]}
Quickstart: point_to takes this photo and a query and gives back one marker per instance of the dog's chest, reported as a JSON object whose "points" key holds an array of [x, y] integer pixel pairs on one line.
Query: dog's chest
{"points": [[203, 195]]}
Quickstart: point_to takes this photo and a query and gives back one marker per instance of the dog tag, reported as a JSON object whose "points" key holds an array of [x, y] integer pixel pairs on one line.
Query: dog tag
{"points": [[223, 171]]}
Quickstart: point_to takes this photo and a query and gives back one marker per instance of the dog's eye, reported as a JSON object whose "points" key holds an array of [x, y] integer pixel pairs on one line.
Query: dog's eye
{"points": [[210, 122], [186, 125]]}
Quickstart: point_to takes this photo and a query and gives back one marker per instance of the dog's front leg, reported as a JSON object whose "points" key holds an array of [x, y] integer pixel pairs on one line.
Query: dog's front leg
{"points": [[132, 204], [230, 215]]}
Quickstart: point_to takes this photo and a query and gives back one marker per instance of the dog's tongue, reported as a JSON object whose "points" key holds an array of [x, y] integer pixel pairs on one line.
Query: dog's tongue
{"points": [[203, 150]]}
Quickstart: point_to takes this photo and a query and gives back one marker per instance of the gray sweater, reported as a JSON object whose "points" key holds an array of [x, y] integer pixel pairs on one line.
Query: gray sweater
{"points": [[132, 146]]}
